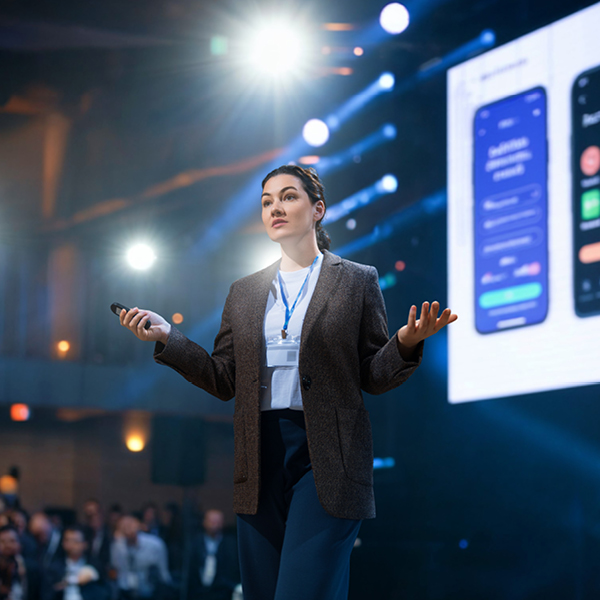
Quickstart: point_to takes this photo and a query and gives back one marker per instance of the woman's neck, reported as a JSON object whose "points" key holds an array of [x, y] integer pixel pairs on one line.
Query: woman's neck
{"points": [[299, 255]]}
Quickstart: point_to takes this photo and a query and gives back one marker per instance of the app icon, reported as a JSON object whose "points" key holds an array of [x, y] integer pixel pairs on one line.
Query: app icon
{"points": [[590, 204], [590, 160]]}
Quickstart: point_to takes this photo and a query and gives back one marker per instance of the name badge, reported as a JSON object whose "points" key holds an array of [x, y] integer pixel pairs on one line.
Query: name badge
{"points": [[132, 581], [283, 352]]}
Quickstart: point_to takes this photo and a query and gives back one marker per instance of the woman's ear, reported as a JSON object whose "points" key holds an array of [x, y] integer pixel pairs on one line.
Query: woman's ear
{"points": [[319, 210]]}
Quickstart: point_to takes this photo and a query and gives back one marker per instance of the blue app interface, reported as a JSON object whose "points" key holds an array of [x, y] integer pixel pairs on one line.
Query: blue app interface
{"points": [[510, 212]]}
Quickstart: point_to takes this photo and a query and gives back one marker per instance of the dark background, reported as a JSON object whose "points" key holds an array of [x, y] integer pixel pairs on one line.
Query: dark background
{"points": [[103, 101]]}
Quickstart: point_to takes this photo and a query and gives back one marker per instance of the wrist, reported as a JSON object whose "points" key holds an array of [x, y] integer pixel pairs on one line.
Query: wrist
{"points": [[165, 336]]}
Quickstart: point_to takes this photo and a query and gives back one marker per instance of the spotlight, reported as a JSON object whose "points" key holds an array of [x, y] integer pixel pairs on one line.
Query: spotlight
{"points": [[276, 49], [388, 184], [358, 51], [487, 37], [315, 133], [141, 257], [135, 443], [386, 81], [394, 18], [351, 224], [63, 346], [389, 131]]}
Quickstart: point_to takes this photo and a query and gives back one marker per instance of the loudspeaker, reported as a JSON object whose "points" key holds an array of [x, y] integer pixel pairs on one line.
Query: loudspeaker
{"points": [[178, 450]]}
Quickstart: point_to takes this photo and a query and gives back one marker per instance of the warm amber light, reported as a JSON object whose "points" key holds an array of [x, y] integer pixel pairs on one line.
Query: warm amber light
{"points": [[177, 318], [338, 26], [8, 485], [309, 160], [135, 443], [19, 412], [341, 71], [63, 346], [358, 51]]}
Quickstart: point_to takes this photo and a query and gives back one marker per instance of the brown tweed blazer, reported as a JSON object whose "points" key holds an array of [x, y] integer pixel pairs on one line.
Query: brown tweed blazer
{"points": [[345, 347]]}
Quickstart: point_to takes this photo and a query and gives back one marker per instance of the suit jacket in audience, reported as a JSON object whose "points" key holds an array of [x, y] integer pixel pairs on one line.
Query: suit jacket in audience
{"points": [[56, 574], [226, 569], [19, 578]]}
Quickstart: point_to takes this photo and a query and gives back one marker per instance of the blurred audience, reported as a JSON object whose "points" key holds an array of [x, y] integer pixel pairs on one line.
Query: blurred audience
{"points": [[112, 556], [214, 571]]}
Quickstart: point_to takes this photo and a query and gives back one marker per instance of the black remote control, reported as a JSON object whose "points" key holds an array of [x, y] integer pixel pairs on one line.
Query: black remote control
{"points": [[117, 308]]}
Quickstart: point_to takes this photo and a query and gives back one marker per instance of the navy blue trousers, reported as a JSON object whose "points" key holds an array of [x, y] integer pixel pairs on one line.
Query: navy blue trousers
{"points": [[292, 549]]}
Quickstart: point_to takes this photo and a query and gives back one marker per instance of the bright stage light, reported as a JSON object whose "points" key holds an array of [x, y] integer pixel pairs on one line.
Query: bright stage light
{"points": [[141, 257], [389, 131], [135, 443], [394, 18], [387, 184], [386, 81], [276, 49], [315, 133]]}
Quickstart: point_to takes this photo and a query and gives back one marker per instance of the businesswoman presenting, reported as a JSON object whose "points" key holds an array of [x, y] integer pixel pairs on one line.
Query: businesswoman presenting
{"points": [[298, 341]]}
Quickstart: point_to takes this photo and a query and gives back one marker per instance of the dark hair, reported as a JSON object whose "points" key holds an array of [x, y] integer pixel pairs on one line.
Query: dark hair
{"points": [[313, 187], [76, 529], [6, 528]]}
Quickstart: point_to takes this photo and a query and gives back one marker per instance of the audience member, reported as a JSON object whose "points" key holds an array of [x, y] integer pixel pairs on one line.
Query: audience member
{"points": [[47, 539], [115, 512], [18, 519], [18, 578], [74, 576], [97, 535], [150, 522], [172, 525], [140, 560], [214, 571]]}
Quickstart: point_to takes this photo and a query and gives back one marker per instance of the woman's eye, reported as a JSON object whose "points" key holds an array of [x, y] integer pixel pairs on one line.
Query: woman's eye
{"points": [[289, 196]]}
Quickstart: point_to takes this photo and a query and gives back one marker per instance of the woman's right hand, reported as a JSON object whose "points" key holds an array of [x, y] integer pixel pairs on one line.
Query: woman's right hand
{"points": [[135, 320]]}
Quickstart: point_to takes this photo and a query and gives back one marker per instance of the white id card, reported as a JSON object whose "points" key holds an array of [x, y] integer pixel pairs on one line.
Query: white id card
{"points": [[283, 353]]}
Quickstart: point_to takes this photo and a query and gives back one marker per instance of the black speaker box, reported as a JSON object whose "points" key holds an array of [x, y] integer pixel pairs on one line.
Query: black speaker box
{"points": [[178, 450]]}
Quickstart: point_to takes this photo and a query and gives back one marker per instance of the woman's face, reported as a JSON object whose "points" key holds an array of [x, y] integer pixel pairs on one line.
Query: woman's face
{"points": [[287, 212]]}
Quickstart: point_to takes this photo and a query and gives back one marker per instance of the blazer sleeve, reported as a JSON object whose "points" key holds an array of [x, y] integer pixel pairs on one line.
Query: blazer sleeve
{"points": [[214, 372], [382, 368]]}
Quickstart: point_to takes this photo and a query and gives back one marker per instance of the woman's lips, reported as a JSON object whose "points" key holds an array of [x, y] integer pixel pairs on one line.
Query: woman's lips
{"points": [[278, 223]]}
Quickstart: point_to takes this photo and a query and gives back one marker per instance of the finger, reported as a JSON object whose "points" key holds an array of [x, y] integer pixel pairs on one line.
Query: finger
{"points": [[424, 318], [412, 318], [135, 321], [143, 320], [122, 316], [443, 320], [435, 307], [131, 313]]}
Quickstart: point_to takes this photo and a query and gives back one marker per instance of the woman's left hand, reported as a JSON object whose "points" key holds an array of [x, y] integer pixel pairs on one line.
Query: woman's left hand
{"points": [[429, 323]]}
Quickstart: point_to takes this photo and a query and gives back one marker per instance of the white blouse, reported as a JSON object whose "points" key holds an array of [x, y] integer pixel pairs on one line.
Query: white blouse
{"points": [[280, 386]]}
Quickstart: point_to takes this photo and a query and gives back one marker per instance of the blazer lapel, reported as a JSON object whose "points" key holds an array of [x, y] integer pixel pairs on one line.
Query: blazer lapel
{"points": [[328, 280], [255, 314]]}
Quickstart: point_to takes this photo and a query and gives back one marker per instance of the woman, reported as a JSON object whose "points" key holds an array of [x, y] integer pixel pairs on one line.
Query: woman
{"points": [[298, 342]]}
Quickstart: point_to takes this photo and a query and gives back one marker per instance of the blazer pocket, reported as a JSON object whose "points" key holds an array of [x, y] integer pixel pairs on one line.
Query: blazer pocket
{"points": [[240, 458], [356, 444]]}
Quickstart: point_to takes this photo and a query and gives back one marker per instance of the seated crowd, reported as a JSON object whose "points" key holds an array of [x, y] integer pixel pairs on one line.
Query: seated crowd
{"points": [[144, 556]]}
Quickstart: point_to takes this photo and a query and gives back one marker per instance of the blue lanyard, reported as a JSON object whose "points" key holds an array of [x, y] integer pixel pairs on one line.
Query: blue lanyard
{"points": [[290, 311]]}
